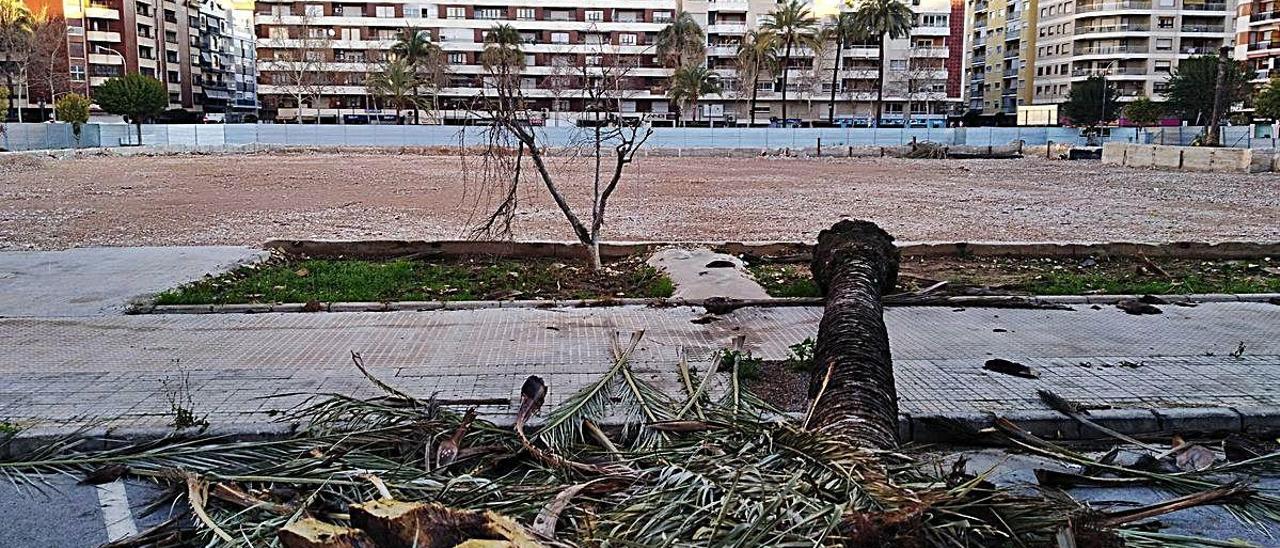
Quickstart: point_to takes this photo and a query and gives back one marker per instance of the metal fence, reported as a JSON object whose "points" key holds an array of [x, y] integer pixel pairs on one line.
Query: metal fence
{"points": [[59, 136]]}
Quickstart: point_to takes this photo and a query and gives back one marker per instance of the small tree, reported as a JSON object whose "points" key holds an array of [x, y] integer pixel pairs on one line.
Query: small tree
{"points": [[1194, 81], [1267, 103], [73, 108], [1143, 112], [1091, 103], [690, 83], [134, 95], [396, 82]]}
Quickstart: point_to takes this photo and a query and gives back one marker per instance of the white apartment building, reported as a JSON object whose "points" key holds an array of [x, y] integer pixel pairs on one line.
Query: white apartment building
{"points": [[341, 42], [1136, 44]]}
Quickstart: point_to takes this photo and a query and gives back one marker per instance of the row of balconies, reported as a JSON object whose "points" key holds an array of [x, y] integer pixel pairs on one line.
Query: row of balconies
{"points": [[1265, 16]]}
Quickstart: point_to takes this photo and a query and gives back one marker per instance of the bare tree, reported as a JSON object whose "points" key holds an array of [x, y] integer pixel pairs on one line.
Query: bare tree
{"points": [[515, 152], [924, 81], [299, 63]]}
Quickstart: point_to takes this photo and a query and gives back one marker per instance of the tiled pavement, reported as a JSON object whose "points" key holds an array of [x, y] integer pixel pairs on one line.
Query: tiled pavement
{"points": [[120, 368]]}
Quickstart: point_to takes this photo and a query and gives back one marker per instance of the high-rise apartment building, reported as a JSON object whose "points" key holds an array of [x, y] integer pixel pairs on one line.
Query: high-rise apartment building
{"points": [[1002, 53], [1135, 44], [1258, 39], [317, 55], [174, 42]]}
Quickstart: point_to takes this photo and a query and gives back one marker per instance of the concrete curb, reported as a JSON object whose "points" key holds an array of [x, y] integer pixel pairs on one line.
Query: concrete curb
{"points": [[796, 250], [422, 306], [946, 427]]}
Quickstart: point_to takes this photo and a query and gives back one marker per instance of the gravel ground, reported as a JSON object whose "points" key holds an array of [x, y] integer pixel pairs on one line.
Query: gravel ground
{"points": [[246, 199]]}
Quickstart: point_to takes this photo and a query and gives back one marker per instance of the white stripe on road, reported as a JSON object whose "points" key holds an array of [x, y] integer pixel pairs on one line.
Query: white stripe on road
{"points": [[115, 511]]}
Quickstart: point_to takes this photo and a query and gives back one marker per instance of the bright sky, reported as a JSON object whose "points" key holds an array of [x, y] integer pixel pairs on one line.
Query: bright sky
{"points": [[823, 8]]}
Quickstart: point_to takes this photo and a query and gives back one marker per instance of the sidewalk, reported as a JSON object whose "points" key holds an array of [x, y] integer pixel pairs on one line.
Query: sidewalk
{"points": [[120, 368]]}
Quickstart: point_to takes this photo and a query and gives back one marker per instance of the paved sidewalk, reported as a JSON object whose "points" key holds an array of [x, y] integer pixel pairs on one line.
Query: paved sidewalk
{"points": [[104, 280], [120, 368]]}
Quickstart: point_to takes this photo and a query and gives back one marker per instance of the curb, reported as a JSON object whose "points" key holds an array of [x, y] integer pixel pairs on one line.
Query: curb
{"points": [[946, 427], [424, 306]]}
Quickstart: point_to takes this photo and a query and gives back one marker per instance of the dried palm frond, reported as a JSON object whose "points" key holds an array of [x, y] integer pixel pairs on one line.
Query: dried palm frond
{"points": [[695, 470]]}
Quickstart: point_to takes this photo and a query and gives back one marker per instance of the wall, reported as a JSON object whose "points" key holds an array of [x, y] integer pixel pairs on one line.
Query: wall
{"points": [[1185, 158]]}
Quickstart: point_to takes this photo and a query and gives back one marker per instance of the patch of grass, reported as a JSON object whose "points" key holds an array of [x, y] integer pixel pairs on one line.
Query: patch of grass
{"points": [[749, 367], [7, 427], [801, 355], [326, 280], [1035, 276], [785, 279]]}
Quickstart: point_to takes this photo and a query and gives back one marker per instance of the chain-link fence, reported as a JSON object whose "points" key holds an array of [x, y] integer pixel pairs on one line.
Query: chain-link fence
{"points": [[59, 136]]}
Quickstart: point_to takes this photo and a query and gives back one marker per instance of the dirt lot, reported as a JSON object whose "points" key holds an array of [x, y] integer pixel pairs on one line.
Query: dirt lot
{"points": [[250, 198]]}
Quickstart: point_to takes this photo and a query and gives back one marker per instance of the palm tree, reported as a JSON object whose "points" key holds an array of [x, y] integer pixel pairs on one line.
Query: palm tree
{"points": [[886, 20], [795, 26], [682, 42], [16, 21], [757, 56], [688, 84], [397, 82], [502, 48], [845, 31], [416, 48]]}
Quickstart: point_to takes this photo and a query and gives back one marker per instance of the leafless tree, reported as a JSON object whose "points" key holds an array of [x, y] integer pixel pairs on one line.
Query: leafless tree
{"points": [[925, 82], [515, 152], [299, 63]]}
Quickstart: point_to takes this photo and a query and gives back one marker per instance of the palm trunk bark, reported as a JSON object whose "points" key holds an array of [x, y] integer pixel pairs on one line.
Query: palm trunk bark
{"points": [[879, 85], [855, 263], [755, 90], [786, 61], [835, 80]]}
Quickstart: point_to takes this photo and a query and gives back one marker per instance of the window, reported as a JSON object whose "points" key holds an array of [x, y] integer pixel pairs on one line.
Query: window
{"points": [[313, 32], [455, 12], [384, 11], [77, 73], [593, 61], [1166, 22], [174, 77], [594, 15], [313, 10], [489, 13], [350, 34], [559, 38], [627, 39], [1164, 44], [526, 14], [897, 64], [661, 17], [277, 33], [171, 56], [146, 52], [457, 58], [1164, 66], [76, 51]]}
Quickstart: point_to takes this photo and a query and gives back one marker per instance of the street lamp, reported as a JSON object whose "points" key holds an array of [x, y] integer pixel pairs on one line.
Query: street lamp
{"points": [[123, 63]]}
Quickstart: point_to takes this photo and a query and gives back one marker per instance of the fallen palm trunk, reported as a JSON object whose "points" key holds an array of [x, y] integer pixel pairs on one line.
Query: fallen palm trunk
{"points": [[855, 263]]}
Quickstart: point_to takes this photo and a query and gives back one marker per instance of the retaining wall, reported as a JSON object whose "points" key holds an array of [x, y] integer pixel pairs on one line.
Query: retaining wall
{"points": [[387, 249], [1213, 159]]}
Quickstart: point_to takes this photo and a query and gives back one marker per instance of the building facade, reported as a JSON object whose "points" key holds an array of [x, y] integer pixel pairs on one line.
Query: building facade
{"points": [[314, 58], [1135, 44], [167, 40], [1258, 39]]}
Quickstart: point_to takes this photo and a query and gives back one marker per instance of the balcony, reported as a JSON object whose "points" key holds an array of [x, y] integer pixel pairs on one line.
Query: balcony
{"points": [[1258, 46], [727, 28], [1204, 28], [1206, 6], [1265, 16], [1110, 50], [1114, 6], [1112, 71], [932, 52], [102, 36], [728, 5], [980, 6], [96, 11], [1098, 29], [1011, 73]]}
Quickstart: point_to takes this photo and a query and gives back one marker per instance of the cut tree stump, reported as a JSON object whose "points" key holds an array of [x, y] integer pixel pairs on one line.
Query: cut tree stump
{"points": [[395, 524], [313, 533], [855, 264]]}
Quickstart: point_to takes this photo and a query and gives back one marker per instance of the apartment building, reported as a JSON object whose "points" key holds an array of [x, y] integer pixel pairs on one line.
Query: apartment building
{"points": [[339, 43], [1258, 39], [228, 60], [162, 39], [1002, 40], [1136, 44]]}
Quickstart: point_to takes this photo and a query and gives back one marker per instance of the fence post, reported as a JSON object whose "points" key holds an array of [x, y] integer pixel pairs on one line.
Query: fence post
{"points": [[819, 146]]}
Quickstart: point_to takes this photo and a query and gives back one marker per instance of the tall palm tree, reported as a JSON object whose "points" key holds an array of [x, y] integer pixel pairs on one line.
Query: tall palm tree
{"points": [[397, 82], [16, 22], [795, 26], [757, 56], [688, 84], [886, 20], [417, 49], [682, 41], [844, 31]]}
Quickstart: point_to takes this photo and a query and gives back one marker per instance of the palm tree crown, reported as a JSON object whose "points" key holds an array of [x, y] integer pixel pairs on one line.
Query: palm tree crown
{"points": [[691, 82], [502, 47], [886, 20], [415, 47], [681, 42], [396, 82], [794, 25]]}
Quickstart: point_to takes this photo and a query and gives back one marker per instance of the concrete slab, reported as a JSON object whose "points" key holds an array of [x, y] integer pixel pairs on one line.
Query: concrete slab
{"points": [[700, 273], [104, 280], [240, 367]]}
